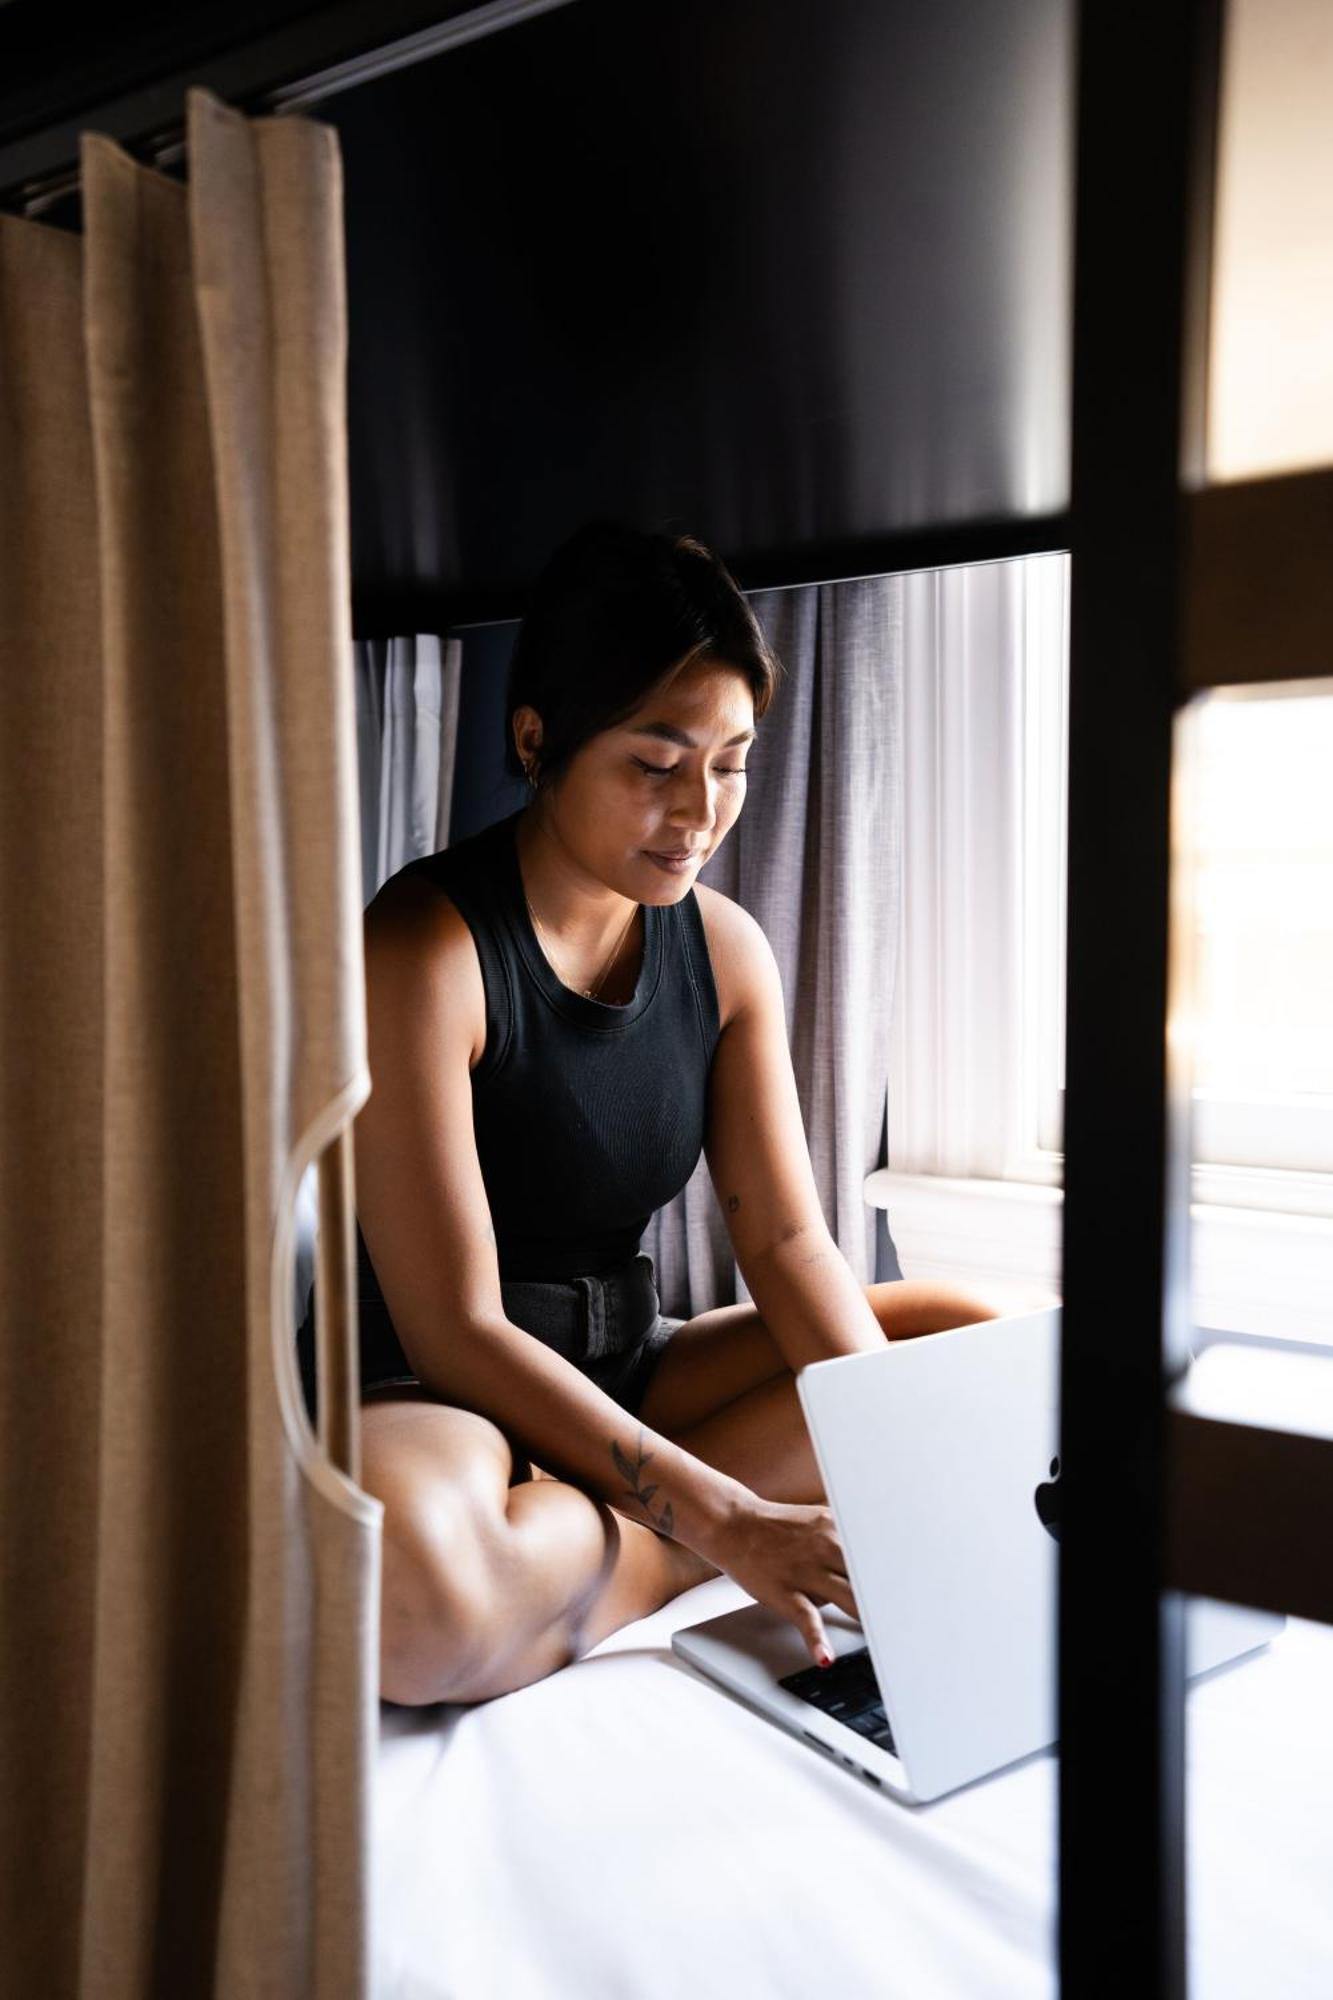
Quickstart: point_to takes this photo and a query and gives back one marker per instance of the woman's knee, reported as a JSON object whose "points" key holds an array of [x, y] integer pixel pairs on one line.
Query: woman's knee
{"points": [[442, 1475], [905, 1307], [438, 1607]]}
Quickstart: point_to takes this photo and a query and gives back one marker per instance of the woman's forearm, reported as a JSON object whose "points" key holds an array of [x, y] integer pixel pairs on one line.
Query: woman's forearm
{"points": [[574, 1429], [811, 1301]]}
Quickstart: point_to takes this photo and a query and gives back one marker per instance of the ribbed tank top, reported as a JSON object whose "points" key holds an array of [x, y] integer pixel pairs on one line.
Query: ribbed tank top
{"points": [[588, 1117]]}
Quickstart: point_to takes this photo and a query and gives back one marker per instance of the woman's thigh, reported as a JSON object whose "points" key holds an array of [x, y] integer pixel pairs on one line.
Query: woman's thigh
{"points": [[448, 1429], [406, 1430], [443, 1475], [713, 1358], [729, 1351]]}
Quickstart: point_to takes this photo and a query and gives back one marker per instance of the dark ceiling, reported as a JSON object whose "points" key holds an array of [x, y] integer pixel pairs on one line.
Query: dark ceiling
{"points": [[786, 276], [793, 277], [49, 72]]}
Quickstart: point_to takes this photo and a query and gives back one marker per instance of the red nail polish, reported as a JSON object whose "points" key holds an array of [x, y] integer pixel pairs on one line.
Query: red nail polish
{"points": [[825, 1658]]}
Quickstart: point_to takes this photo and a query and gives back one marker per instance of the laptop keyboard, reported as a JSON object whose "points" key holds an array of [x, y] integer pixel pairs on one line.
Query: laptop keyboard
{"points": [[848, 1690]]}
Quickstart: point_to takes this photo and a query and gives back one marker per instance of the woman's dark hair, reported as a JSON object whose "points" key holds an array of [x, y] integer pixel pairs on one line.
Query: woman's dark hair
{"points": [[612, 613]]}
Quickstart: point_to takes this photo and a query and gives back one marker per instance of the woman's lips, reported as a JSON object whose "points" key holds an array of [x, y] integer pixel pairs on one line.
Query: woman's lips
{"points": [[675, 864]]}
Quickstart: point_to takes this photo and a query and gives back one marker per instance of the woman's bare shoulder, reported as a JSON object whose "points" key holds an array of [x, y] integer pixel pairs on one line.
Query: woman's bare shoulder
{"points": [[738, 950], [418, 944]]}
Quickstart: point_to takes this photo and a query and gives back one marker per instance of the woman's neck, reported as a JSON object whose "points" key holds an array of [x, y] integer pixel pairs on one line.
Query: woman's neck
{"points": [[584, 916]]}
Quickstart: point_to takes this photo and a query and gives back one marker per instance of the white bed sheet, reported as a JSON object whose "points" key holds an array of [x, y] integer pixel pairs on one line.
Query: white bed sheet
{"points": [[623, 1830]]}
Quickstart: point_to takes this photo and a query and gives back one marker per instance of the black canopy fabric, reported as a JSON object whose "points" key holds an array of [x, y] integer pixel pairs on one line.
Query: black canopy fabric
{"points": [[793, 277], [782, 276]]}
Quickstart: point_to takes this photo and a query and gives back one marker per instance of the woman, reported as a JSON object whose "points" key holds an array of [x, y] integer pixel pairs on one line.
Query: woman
{"points": [[559, 1021]]}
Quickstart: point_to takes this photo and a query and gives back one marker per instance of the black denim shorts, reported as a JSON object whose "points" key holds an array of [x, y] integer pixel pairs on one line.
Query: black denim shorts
{"points": [[611, 1327]]}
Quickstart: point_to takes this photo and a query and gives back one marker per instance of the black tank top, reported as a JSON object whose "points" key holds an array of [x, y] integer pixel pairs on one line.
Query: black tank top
{"points": [[588, 1117]]}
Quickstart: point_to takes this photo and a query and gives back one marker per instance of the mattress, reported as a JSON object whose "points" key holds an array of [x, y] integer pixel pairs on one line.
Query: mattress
{"points": [[624, 1830]]}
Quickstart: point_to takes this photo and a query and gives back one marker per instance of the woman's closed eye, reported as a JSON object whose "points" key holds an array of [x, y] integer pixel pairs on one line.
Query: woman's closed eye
{"points": [[665, 770]]}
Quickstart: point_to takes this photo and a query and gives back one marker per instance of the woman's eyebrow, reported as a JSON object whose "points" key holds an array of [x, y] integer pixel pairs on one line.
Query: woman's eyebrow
{"points": [[669, 731]]}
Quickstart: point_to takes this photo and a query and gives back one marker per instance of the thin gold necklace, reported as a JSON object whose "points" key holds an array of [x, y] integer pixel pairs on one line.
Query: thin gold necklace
{"points": [[588, 992]]}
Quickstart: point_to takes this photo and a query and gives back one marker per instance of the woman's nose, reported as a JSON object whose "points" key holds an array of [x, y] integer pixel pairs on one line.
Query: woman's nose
{"points": [[695, 803]]}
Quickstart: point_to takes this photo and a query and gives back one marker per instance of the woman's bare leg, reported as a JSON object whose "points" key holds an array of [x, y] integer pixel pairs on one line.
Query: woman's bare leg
{"points": [[640, 1570], [723, 1391], [761, 1439], [487, 1586], [494, 1577]]}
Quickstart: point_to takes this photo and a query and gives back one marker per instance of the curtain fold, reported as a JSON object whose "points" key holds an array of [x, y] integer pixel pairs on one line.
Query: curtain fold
{"points": [[52, 1026], [407, 729], [189, 1591], [816, 858]]}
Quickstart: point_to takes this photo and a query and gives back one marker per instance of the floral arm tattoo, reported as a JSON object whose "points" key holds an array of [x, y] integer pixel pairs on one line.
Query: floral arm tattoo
{"points": [[631, 1472]]}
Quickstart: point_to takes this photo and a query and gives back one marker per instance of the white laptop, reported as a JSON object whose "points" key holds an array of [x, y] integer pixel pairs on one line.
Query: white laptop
{"points": [[939, 1458]]}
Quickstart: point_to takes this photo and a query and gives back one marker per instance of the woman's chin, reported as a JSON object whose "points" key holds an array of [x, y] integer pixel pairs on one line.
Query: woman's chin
{"points": [[658, 886]]}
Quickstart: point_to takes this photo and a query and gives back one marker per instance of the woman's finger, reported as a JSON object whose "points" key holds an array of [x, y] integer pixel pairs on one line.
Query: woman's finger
{"points": [[840, 1593], [830, 1549], [810, 1625]]}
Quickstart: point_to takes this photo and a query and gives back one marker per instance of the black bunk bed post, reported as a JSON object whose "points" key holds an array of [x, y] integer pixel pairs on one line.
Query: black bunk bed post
{"points": [[1145, 105]]}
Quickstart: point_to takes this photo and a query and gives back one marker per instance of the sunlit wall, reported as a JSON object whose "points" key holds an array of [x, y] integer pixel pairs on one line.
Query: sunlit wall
{"points": [[1270, 400]]}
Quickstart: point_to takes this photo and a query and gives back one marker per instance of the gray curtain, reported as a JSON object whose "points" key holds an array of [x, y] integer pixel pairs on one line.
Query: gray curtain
{"points": [[406, 728], [815, 858]]}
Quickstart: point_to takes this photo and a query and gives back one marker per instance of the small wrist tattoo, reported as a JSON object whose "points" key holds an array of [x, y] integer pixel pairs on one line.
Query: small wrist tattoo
{"points": [[631, 1471]]}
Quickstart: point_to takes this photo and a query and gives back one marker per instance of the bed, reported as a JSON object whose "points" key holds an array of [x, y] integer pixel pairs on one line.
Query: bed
{"points": [[623, 1830]]}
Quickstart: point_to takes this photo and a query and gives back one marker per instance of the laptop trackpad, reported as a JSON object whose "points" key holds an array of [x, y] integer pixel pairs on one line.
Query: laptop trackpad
{"points": [[756, 1646]]}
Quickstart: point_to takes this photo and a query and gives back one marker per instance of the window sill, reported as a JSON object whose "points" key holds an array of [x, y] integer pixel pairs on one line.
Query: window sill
{"points": [[1257, 1271], [1000, 1237]]}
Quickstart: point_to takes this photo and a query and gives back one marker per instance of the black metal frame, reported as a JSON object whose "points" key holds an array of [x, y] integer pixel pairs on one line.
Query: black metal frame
{"points": [[1176, 588], [375, 612], [1120, 1635], [1169, 587]]}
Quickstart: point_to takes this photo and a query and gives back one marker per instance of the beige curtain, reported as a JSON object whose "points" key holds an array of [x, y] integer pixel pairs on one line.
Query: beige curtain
{"points": [[189, 1591]]}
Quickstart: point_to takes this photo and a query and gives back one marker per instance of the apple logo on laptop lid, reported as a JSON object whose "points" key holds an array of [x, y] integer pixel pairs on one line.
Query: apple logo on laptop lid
{"points": [[1047, 1502]]}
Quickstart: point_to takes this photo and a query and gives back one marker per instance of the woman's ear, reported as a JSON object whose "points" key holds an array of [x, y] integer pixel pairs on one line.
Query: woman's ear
{"points": [[527, 728]]}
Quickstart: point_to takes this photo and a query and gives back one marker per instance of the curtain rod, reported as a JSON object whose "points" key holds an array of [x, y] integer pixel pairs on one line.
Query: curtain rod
{"points": [[164, 145], [861, 576]]}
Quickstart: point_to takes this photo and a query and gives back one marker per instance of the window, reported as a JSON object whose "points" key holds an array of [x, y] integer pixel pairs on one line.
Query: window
{"points": [[978, 1054], [976, 1072], [1259, 846], [976, 1084]]}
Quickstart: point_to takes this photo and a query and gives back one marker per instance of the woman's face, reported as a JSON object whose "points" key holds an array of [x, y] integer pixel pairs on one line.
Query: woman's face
{"points": [[642, 806]]}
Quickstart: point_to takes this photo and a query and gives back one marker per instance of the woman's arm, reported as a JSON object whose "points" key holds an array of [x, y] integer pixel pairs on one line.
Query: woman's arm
{"points": [[805, 1291], [422, 1205]]}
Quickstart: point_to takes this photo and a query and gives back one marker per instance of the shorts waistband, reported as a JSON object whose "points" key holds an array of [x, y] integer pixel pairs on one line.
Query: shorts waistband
{"points": [[586, 1318]]}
